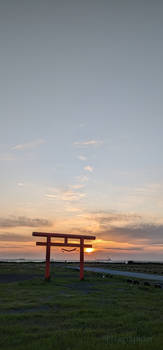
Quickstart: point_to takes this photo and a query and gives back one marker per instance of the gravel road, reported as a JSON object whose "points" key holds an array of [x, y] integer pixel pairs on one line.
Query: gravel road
{"points": [[146, 276]]}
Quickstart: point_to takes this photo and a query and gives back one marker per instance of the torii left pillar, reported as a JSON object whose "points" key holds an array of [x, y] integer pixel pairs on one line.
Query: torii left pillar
{"points": [[47, 270]]}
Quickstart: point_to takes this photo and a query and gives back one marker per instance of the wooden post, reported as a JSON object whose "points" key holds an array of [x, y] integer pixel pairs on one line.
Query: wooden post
{"points": [[47, 271], [81, 259]]}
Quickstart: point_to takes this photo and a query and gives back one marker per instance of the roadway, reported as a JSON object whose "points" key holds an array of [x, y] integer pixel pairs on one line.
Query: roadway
{"points": [[146, 276]]}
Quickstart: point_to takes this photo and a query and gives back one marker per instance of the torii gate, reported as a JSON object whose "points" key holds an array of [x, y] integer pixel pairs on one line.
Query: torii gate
{"points": [[48, 244]]}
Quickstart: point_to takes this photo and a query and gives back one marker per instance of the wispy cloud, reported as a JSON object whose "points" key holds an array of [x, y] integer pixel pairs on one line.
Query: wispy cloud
{"points": [[113, 217], [73, 209], [22, 221], [77, 187], [51, 196], [82, 178], [14, 237], [88, 168], [72, 196], [28, 145], [71, 193], [88, 143], [67, 195], [6, 157], [83, 158], [119, 248], [82, 125], [148, 189], [20, 184]]}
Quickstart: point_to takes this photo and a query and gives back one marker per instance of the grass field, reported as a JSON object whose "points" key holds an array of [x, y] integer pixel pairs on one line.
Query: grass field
{"points": [[68, 314]]}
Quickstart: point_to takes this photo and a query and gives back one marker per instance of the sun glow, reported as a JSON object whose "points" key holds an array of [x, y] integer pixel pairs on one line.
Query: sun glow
{"points": [[89, 250]]}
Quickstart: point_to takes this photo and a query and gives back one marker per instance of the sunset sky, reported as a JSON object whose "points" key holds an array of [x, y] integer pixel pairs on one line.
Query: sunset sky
{"points": [[81, 133]]}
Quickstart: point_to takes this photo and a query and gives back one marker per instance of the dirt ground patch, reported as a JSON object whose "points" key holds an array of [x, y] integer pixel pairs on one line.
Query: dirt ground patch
{"points": [[9, 278], [84, 288]]}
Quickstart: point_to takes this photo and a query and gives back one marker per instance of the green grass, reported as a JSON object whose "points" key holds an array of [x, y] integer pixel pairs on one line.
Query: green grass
{"points": [[69, 314]]}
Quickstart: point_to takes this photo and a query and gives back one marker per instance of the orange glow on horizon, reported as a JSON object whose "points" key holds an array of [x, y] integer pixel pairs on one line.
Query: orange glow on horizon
{"points": [[89, 250]]}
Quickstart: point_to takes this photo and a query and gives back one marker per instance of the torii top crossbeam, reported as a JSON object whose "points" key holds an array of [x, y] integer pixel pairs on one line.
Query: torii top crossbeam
{"points": [[66, 236]]}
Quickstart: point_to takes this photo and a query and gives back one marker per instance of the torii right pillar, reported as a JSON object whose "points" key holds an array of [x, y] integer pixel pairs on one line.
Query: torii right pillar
{"points": [[81, 259]]}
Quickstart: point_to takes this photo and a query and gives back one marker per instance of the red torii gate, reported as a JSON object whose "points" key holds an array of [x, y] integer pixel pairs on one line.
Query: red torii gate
{"points": [[48, 244]]}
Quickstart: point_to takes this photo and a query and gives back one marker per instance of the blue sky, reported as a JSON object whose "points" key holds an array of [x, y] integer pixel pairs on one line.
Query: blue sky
{"points": [[81, 124]]}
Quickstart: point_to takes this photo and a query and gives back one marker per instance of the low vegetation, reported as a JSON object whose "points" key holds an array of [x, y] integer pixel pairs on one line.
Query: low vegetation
{"points": [[68, 314]]}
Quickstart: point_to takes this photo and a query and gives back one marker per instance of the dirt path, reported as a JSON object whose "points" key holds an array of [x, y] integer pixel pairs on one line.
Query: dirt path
{"points": [[146, 276]]}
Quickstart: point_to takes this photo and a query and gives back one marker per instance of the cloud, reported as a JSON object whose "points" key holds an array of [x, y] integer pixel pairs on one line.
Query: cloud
{"points": [[88, 143], [66, 195], [83, 158], [82, 178], [22, 221], [20, 184], [51, 196], [72, 195], [129, 228], [28, 145], [119, 248], [73, 209], [123, 228], [88, 168], [105, 218], [82, 125], [14, 237], [148, 189], [76, 187], [20, 246], [146, 198], [6, 157]]}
